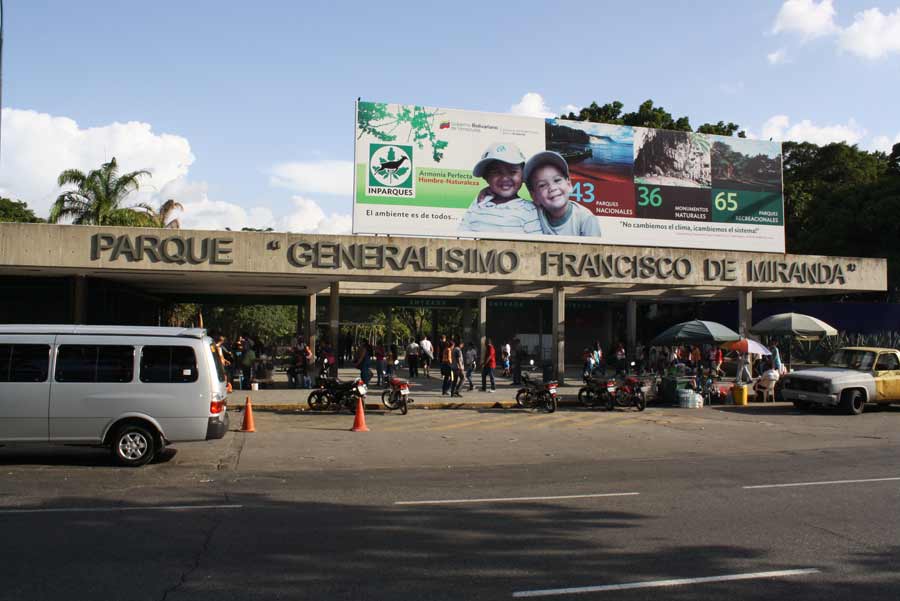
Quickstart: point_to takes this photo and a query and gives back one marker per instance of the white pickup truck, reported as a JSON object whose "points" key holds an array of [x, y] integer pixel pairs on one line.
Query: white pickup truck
{"points": [[852, 377]]}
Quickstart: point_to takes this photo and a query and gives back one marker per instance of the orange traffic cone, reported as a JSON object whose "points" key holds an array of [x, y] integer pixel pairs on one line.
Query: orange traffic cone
{"points": [[247, 425], [359, 422]]}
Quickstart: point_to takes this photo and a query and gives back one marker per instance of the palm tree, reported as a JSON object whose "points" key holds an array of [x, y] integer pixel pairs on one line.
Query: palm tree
{"points": [[98, 196], [162, 217]]}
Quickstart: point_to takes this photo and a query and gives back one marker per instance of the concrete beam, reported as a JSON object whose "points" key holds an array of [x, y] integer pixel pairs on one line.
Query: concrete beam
{"points": [[334, 325], [630, 327], [310, 329], [745, 312]]}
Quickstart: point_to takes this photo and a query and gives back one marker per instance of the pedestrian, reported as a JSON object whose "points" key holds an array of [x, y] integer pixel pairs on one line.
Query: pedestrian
{"points": [[364, 361], [620, 359], [458, 363], [488, 364], [392, 358], [306, 363], [471, 358], [248, 359], [412, 358], [517, 357], [776, 360], [720, 358], [744, 371], [447, 366], [426, 355], [599, 364]]}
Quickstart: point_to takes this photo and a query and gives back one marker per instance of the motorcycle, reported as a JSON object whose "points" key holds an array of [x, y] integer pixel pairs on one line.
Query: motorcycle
{"points": [[336, 395], [596, 391], [536, 394], [628, 394], [397, 396]]}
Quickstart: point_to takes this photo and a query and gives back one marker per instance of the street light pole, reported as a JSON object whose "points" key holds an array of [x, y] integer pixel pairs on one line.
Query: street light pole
{"points": [[1, 75]]}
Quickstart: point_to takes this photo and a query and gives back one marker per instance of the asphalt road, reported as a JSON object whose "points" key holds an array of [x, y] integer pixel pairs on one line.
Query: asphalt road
{"points": [[471, 505]]}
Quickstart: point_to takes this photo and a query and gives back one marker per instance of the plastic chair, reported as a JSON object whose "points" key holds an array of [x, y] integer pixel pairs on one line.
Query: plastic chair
{"points": [[765, 388]]}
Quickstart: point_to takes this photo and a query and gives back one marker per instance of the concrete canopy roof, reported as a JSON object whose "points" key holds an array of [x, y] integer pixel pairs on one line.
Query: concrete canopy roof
{"points": [[272, 265]]}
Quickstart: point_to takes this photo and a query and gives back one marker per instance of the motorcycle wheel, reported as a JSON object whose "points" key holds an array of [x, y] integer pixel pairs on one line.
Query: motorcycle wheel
{"points": [[523, 397], [317, 400], [549, 403], [388, 400], [404, 407], [586, 396], [640, 401]]}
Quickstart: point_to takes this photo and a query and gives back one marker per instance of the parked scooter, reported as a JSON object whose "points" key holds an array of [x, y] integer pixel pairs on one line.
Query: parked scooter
{"points": [[537, 394], [628, 394], [334, 394], [397, 396], [597, 391]]}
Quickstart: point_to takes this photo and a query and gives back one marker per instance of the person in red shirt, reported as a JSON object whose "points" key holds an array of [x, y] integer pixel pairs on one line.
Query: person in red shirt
{"points": [[488, 365]]}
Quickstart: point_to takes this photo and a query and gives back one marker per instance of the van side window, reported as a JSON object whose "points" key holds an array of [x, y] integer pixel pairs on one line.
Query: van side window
{"points": [[95, 363], [24, 362], [168, 364]]}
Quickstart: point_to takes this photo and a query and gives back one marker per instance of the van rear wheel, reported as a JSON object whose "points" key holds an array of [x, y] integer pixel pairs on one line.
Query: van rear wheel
{"points": [[134, 445]]}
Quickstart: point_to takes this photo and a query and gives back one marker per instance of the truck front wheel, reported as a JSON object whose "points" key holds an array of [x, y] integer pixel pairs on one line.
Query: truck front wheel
{"points": [[853, 402]]}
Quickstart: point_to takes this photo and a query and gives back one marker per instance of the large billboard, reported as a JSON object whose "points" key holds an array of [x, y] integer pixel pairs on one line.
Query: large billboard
{"points": [[429, 171]]}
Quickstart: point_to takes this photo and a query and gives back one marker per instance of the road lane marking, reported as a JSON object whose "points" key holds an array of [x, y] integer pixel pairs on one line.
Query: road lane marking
{"points": [[117, 509], [662, 583], [822, 483], [514, 499]]}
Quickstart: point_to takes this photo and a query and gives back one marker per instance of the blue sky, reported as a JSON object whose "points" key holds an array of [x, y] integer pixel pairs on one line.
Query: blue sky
{"points": [[244, 111]]}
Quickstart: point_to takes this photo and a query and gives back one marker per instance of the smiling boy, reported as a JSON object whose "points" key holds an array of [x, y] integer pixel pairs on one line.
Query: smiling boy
{"points": [[547, 176], [498, 207]]}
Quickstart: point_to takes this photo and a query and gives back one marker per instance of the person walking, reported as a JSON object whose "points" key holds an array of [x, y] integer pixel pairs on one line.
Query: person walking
{"points": [[488, 364], [447, 366], [458, 364], [620, 359], [471, 359], [426, 355], [412, 359]]}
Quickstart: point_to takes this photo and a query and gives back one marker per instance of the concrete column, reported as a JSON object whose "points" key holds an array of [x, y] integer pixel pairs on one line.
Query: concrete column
{"points": [[334, 326], [299, 327], [559, 333], [467, 322], [630, 327], [482, 324], [540, 346], [79, 299], [606, 332], [745, 312], [310, 330]]}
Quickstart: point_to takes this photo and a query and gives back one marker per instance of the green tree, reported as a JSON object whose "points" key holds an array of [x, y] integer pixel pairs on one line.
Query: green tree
{"points": [[17, 211], [722, 129], [99, 196]]}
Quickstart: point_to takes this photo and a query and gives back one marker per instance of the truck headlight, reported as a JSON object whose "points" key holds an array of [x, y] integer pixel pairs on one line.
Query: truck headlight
{"points": [[824, 387]]}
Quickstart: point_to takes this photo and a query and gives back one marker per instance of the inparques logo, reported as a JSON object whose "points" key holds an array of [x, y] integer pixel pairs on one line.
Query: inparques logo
{"points": [[391, 170]]}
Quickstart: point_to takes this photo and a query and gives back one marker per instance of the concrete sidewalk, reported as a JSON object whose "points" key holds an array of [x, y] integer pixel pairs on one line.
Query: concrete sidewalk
{"points": [[425, 392]]}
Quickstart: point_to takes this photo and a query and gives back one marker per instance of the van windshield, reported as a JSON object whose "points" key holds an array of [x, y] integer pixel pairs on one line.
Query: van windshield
{"points": [[217, 361]]}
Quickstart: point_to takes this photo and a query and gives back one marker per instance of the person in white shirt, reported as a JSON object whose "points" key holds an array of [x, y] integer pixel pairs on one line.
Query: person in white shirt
{"points": [[426, 355], [412, 359], [498, 208]]}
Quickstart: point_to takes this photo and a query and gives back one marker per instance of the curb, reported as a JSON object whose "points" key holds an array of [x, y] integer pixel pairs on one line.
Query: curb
{"points": [[303, 407]]}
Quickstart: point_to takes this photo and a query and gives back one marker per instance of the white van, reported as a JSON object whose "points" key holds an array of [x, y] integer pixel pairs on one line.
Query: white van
{"points": [[133, 389]]}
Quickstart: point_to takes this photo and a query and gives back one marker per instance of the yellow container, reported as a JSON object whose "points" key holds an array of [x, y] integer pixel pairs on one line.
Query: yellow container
{"points": [[739, 393]]}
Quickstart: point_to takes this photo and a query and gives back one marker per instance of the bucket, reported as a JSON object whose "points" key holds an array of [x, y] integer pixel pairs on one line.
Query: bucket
{"points": [[739, 393], [254, 386]]}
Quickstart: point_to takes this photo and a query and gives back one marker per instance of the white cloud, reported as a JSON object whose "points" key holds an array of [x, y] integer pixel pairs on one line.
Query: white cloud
{"points": [[779, 127], [873, 34], [777, 57], [809, 18], [570, 108], [308, 217], [201, 213], [532, 105], [314, 177], [38, 146], [884, 143]]}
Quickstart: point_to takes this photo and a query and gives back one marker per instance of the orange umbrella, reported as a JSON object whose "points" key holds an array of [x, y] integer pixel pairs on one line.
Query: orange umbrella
{"points": [[745, 345]]}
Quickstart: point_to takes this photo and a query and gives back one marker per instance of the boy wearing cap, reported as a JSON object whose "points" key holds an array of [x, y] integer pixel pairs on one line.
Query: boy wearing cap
{"points": [[498, 207], [547, 177]]}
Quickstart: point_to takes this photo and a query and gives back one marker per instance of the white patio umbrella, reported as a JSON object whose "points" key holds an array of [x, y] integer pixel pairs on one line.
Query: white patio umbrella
{"points": [[795, 325]]}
